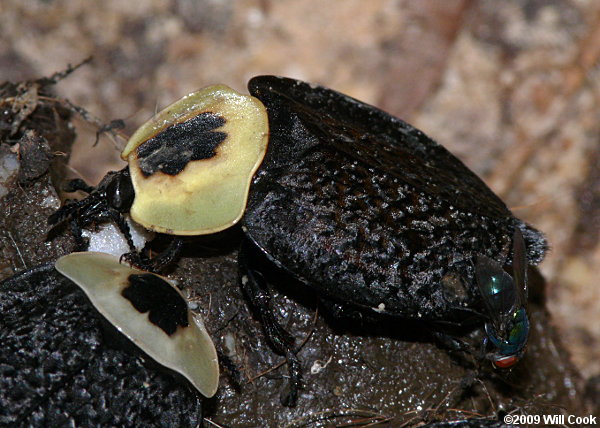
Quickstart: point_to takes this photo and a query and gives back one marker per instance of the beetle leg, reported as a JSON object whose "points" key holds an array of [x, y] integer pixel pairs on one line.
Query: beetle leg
{"points": [[165, 258], [141, 259], [67, 210], [123, 227], [80, 242], [171, 253], [255, 288], [134, 257], [483, 355], [137, 260], [78, 184], [290, 398]]}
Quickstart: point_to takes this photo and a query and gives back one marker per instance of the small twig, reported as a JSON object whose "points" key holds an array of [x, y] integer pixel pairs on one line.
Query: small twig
{"points": [[269, 370], [379, 422], [60, 75], [487, 393], [311, 331], [18, 250], [227, 321], [465, 412], [333, 414], [116, 124], [88, 117], [214, 423], [432, 411], [111, 128]]}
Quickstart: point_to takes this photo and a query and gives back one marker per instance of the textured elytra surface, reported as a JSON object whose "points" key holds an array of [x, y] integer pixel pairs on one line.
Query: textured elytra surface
{"points": [[369, 210], [59, 368]]}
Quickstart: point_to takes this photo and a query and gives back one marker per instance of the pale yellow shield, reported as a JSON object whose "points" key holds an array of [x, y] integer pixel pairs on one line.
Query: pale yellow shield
{"points": [[209, 194]]}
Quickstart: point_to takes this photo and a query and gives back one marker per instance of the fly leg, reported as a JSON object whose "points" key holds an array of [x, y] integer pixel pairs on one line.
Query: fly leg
{"points": [[450, 342], [256, 290], [458, 349]]}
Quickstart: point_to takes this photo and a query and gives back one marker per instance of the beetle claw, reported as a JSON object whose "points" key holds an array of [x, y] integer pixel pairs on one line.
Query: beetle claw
{"points": [[136, 259], [289, 396], [81, 243], [156, 264]]}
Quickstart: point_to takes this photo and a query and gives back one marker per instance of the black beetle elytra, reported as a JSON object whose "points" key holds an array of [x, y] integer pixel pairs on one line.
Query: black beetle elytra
{"points": [[373, 215], [364, 205]]}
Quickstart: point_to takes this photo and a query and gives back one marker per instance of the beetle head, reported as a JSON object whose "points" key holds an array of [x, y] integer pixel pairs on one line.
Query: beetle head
{"points": [[119, 190]]}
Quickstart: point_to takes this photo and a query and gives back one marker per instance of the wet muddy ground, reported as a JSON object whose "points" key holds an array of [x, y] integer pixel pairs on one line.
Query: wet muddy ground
{"points": [[509, 87], [387, 371]]}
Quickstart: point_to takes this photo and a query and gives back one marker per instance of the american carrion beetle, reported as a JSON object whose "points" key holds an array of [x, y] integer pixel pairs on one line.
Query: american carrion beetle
{"points": [[149, 311], [360, 206], [375, 215], [189, 169]]}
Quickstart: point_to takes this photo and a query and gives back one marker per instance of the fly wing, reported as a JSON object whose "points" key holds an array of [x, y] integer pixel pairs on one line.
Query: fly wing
{"points": [[520, 266], [497, 289]]}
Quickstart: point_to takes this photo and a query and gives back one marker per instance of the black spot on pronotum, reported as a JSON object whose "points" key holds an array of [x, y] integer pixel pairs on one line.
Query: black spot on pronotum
{"points": [[172, 149], [149, 293]]}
